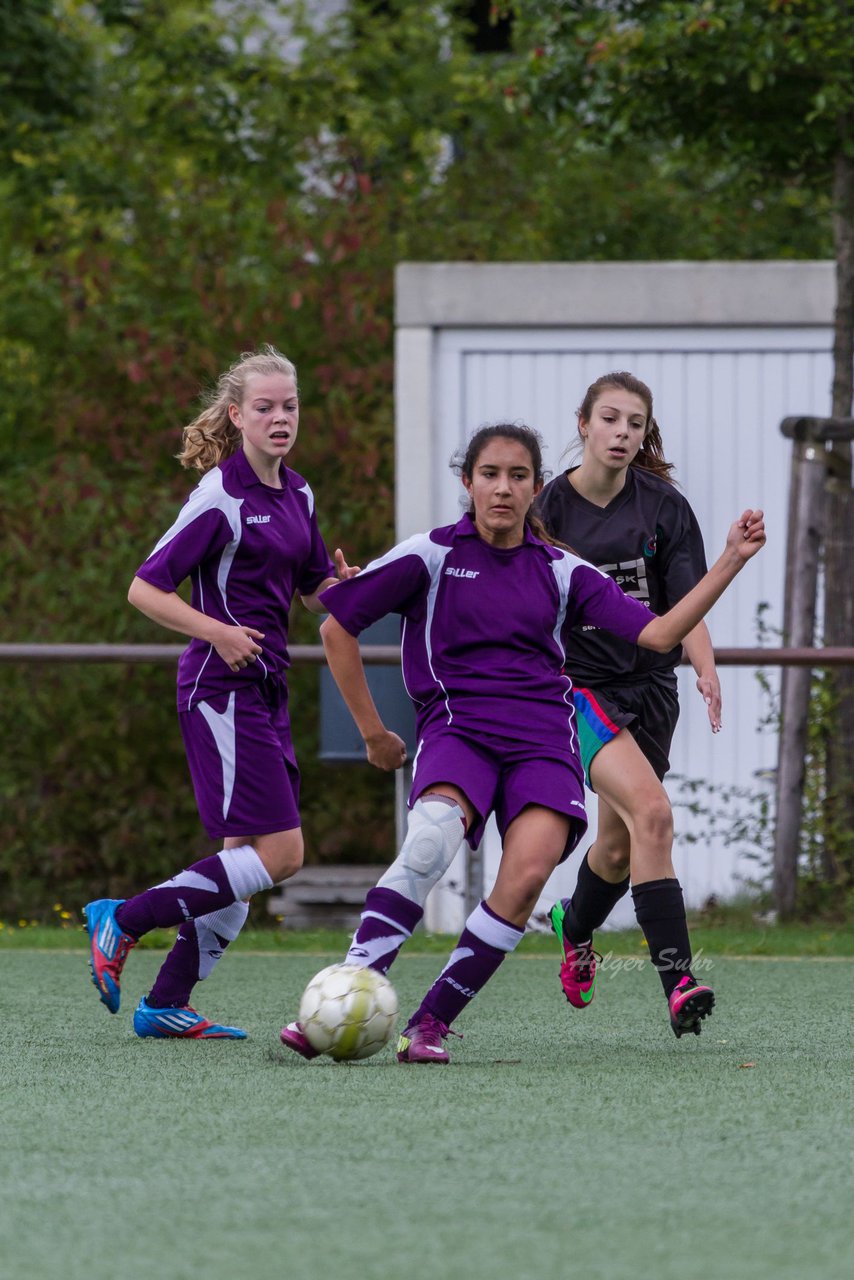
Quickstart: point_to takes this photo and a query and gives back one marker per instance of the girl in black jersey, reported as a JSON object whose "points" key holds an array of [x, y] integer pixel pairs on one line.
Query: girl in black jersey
{"points": [[620, 510]]}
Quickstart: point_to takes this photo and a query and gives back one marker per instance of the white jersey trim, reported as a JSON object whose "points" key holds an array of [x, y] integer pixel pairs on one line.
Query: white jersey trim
{"points": [[432, 556], [210, 495]]}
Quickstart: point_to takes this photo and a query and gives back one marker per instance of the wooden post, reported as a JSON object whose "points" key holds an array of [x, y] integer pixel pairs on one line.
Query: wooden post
{"points": [[804, 545]]}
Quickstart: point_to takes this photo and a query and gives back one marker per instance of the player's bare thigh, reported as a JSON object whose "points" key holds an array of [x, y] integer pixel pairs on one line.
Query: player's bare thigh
{"points": [[534, 844]]}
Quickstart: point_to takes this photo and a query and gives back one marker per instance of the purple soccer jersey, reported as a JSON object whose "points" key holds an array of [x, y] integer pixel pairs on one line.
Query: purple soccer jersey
{"points": [[484, 629], [246, 548]]}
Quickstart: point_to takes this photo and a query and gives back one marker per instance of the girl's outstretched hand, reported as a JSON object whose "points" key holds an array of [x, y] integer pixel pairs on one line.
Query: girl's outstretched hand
{"points": [[343, 569], [747, 535]]}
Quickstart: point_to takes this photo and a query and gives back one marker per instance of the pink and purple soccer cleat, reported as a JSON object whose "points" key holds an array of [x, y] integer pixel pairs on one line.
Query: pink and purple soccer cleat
{"points": [[295, 1038], [423, 1041]]}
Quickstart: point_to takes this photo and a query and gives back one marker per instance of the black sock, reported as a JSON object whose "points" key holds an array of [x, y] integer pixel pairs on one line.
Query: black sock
{"points": [[660, 911], [591, 903]]}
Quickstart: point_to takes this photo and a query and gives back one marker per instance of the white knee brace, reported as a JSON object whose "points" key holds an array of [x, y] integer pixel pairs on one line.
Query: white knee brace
{"points": [[434, 837]]}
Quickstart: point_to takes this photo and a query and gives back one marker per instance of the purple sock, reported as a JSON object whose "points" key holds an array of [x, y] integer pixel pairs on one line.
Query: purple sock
{"points": [[483, 944], [387, 921], [198, 948], [206, 886]]}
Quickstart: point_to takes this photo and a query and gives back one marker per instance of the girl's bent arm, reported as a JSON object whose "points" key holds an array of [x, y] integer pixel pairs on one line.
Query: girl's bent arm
{"points": [[385, 749], [745, 538], [235, 645]]}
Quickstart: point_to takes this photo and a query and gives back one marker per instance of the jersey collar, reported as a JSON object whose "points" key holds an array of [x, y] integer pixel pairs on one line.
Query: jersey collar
{"points": [[248, 478], [466, 528]]}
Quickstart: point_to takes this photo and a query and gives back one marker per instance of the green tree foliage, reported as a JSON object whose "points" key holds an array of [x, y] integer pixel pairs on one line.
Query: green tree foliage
{"points": [[186, 179]]}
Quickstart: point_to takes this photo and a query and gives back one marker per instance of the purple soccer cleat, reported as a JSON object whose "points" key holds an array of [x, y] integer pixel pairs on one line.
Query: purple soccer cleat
{"points": [[422, 1041]]}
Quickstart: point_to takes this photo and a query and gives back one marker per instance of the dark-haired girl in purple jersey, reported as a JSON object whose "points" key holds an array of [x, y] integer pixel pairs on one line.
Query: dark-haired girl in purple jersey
{"points": [[620, 510], [248, 539], [486, 606]]}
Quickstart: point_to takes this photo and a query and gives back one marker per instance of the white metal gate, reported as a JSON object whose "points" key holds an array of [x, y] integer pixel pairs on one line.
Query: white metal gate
{"points": [[720, 392]]}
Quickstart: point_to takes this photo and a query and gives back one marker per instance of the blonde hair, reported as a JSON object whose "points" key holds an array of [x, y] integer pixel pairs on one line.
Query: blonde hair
{"points": [[212, 436], [650, 456]]}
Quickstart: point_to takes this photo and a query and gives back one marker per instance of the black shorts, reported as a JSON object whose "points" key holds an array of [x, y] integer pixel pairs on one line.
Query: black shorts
{"points": [[649, 712]]}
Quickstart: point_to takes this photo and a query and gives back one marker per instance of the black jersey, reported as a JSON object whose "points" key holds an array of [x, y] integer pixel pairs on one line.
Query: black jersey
{"points": [[648, 540]]}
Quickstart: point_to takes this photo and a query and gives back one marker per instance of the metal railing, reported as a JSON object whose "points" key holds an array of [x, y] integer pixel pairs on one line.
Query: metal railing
{"points": [[386, 654]]}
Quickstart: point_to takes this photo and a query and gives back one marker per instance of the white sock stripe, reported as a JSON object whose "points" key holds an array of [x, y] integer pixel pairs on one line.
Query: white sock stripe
{"points": [[458, 954], [245, 870], [495, 933], [365, 954], [227, 922], [190, 880], [395, 924]]}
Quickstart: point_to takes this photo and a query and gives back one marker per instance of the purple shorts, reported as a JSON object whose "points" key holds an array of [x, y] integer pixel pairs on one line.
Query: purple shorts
{"points": [[503, 777], [242, 762]]}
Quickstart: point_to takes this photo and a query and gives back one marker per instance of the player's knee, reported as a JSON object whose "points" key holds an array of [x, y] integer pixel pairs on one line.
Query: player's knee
{"points": [[613, 857], [435, 832], [282, 854], [655, 819], [528, 887]]}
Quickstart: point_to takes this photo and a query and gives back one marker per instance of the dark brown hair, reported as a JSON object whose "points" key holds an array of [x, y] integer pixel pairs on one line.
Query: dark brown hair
{"points": [[465, 461], [650, 456]]}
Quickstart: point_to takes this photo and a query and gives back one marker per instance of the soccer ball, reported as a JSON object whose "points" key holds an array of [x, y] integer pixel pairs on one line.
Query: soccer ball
{"points": [[348, 1012]]}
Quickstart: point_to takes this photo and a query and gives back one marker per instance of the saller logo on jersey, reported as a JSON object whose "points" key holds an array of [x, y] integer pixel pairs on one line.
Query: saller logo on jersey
{"points": [[462, 573], [257, 519]]}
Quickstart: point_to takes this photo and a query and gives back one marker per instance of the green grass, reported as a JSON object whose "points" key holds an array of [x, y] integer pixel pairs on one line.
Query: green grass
{"points": [[733, 932], [558, 1143]]}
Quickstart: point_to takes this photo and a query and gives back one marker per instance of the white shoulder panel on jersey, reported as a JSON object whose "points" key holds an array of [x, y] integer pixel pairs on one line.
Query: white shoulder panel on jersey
{"points": [[208, 495], [421, 545], [563, 570], [309, 497]]}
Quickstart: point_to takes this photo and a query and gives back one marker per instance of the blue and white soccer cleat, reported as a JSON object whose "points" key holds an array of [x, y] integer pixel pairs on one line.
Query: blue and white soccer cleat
{"points": [[109, 949], [179, 1024]]}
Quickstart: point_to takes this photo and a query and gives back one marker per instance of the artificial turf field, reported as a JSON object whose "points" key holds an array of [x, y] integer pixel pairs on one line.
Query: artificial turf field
{"points": [[558, 1143]]}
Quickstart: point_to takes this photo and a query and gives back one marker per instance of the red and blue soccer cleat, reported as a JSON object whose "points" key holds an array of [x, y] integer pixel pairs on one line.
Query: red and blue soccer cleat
{"points": [[689, 1003], [295, 1038], [578, 970], [179, 1024], [423, 1041], [109, 949]]}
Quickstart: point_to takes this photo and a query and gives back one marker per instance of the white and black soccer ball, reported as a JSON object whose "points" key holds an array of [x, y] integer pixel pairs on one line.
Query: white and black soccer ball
{"points": [[348, 1012]]}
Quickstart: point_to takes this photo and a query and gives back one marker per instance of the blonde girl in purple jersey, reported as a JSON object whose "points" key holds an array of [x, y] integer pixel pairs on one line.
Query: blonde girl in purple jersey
{"points": [[620, 509], [486, 605], [248, 540]]}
